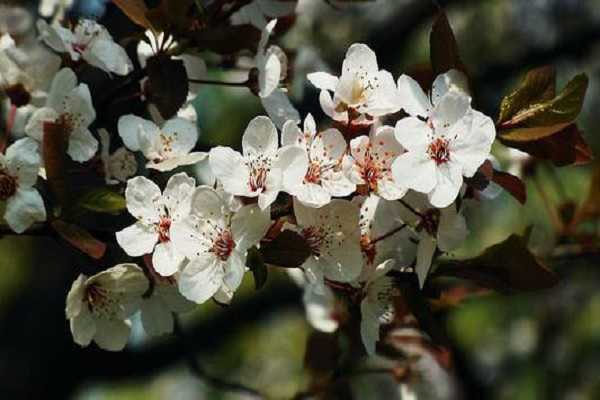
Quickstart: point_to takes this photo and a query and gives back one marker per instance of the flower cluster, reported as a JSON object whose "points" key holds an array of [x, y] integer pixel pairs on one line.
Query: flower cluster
{"points": [[373, 192]]}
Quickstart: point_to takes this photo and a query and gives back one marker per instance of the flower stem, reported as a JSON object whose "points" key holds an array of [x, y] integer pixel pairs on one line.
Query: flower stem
{"points": [[211, 82]]}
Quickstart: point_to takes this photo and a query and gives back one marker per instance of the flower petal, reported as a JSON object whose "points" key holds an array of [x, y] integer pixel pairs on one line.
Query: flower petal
{"points": [[157, 319], [177, 195], [412, 134], [166, 259], [144, 200], [449, 181], [83, 328], [323, 80], [183, 135], [230, 169], [23, 161], [137, 239], [201, 278], [248, 226], [23, 209], [415, 171], [131, 127], [412, 98], [82, 145], [260, 138], [112, 335]]}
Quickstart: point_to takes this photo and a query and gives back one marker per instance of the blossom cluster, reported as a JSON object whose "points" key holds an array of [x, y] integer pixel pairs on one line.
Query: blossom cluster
{"points": [[376, 189]]}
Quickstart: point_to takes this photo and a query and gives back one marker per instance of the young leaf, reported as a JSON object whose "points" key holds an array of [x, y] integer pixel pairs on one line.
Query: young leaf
{"points": [[538, 85], [136, 11], [255, 262], [80, 238], [288, 250], [102, 200], [167, 84], [511, 184], [443, 47], [506, 267], [54, 148]]}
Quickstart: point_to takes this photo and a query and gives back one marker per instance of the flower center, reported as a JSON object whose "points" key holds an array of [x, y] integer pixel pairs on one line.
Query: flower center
{"points": [[166, 143], [314, 237], [79, 47], [67, 122], [439, 151], [368, 248], [8, 185], [223, 245], [99, 302], [259, 170], [163, 227], [313, 175]]}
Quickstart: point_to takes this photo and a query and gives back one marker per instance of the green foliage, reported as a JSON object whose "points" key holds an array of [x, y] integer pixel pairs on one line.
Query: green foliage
{"points": [[102, 200]]}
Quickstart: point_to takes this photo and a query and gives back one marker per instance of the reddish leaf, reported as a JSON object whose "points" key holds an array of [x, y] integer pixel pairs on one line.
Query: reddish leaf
{"points": [[511, 184], [443, 47], [506, 267], [136, 11], [167, 84], [54, 147], [80, 238], [288, 250]]}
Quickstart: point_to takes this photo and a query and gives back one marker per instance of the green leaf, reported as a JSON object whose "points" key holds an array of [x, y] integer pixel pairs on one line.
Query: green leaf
{"points": [[255, 262], [539, 85], [54, 148], [102, 200], [444, 52], [80, 238], [507, 267], [288, 250], [167, 84]]}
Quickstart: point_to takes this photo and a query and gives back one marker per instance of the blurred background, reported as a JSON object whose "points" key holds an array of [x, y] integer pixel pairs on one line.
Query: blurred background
{"points": [[529, 346]]}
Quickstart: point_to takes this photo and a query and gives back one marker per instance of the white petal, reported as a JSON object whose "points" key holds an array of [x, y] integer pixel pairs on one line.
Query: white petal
{"points": [[329, 145], [82, 145], [446, 82], [230, 169], [108, 56], [323, 80], [183, 133], [415, 171], [269, 74], [75, 297], [451, 108], [320, 309], [474, 142], [249, 225], [412, 134], [166, 259], [201, 278], [144, 199], [112, 335], [384, 99], [23, 161], [131, 127], [177, 195], [50, 35], [23, 209], [313, 195], [35, 125], [279, 107], [292, 135], [412, 98], [207, 203], [449, 182], [78, 104], [63, 83], [260, 137], [234, 274], [293, 162], [359, 58], [137, 239], [83, 328]]}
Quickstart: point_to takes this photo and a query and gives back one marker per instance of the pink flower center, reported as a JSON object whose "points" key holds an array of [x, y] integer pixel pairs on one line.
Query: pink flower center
{"points": [[223, 245], [163, 227], [313, 175], [259, 171], [314, 237], [79, 47], [439, 151]]}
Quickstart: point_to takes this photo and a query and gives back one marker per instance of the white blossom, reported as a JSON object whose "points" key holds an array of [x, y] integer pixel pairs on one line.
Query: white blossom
{"points": [[268, 63], [18, 173], [158, 308], [70, 106], [333, 236], [98, 307], [165, 148], [369, 163], [118, 166], [89, 41], [256, 12], [321, 168], [376, 307], [319, 303], [444, 228], [156, 213], [279, 108], [361, 93], [215, 240], [263, 169], [445, 139]]}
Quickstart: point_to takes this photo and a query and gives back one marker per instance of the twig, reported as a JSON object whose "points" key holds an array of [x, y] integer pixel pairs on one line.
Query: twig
{"points": [[199, 371], [211, 82]]}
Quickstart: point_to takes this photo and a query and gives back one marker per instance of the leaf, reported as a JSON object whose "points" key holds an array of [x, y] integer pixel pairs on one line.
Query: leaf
{"points": [[136, 11], [506, 267], [511, 184], [255, 262], [531, 134], [561, 109], [444, 52], [538, 85], [564, 147], [54, 148], [102, 200], [288, 250], [167, 84], [591, 206], [80, 238]]}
